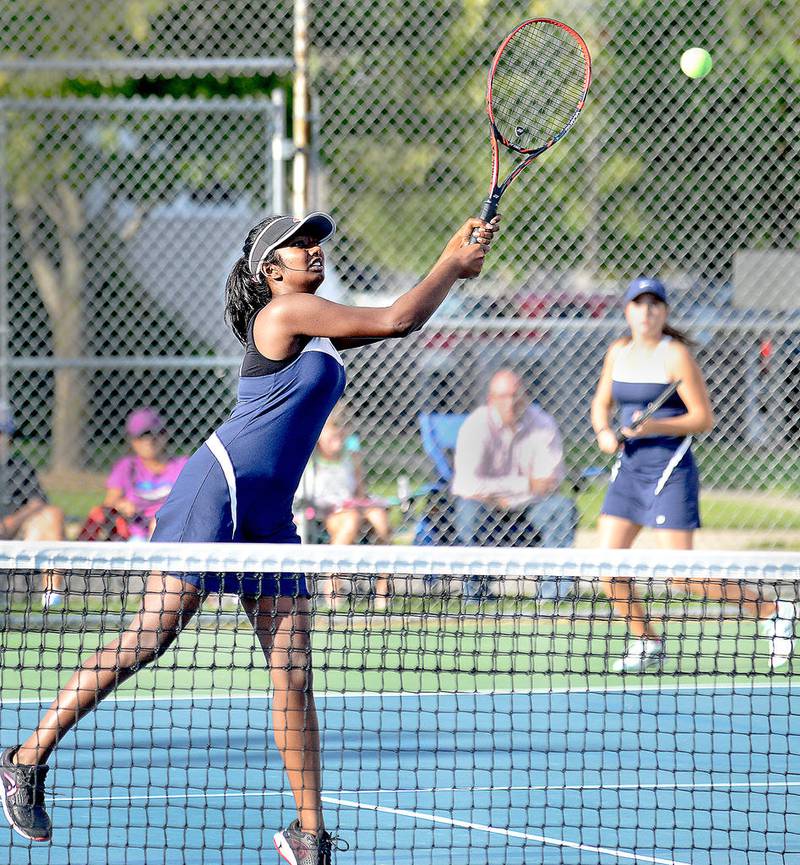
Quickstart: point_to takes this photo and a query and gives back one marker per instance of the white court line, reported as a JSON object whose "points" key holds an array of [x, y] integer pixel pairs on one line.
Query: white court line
{"points": [[508, 833], [415, 815], [365, 695], [557, 788], [433, 818]]}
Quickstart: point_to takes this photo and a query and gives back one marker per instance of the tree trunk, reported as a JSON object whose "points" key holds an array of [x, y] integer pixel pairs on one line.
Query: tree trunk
{"points": [[61, 289], [69, 400]]}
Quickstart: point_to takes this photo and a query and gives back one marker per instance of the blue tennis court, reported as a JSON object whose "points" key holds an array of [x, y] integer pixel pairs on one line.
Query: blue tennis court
{"points": [[675, 774]]}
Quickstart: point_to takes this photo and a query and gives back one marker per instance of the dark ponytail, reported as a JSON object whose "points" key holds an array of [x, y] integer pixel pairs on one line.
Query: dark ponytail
{"points": [[678, 336], [245, 292]]}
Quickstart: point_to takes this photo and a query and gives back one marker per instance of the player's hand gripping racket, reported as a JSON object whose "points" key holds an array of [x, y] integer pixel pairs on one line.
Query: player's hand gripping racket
{"points": [[651, 409], [537, 87]]}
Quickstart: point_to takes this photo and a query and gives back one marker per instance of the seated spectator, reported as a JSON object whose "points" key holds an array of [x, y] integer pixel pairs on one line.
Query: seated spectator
{"points": [[140, 482], [25, 513], [333, 486], [508, 467]]}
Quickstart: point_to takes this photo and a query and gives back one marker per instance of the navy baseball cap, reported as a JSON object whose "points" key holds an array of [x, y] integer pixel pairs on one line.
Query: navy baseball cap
{"points": [[646, 285]]}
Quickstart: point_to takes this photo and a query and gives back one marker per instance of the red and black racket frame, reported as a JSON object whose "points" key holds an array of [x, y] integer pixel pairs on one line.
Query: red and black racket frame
{"points": [[489, 208]]}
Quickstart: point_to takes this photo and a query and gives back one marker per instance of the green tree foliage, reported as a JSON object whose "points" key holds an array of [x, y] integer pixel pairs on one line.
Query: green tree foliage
{"points": [[402, 121], [58, 156]]}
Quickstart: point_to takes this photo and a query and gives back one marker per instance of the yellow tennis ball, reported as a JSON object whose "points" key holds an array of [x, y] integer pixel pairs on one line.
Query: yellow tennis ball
{"points": [[695, 62]]}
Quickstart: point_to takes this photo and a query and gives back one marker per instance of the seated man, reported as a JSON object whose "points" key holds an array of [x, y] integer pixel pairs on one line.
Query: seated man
{"points": [[25, 513], [509, 464]]}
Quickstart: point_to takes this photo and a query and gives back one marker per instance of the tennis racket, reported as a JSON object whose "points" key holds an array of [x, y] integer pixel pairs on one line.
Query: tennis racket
{"points": [[652, 407], [537, 87]]}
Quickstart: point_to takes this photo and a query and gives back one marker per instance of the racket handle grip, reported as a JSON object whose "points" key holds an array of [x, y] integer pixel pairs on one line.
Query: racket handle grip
{"points": [[488, 211]]}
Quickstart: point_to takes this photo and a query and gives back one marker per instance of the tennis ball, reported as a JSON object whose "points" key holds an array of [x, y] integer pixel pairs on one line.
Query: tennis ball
{"points": [[695, 62]]}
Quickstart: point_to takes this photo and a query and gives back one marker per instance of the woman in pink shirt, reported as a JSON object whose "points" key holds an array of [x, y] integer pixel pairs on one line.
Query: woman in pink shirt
{"points": [[140, 482]]}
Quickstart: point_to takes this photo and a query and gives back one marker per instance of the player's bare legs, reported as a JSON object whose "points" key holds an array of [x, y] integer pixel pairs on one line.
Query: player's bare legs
{"points": [[777, 617], [168, 603], [646, 651], [47, 524], [617, 533], [283, 628], [749, 600]]}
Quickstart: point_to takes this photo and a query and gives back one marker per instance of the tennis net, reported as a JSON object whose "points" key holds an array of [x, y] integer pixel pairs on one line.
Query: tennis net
{"points": [[467, 718]]}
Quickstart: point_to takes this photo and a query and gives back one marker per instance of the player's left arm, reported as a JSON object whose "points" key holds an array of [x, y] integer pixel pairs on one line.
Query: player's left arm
{"points": [[699, 417], [345, 342]]}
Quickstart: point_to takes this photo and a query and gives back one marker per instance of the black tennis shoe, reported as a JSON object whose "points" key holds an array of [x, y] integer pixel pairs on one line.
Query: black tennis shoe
{"points": [[22, 792]]}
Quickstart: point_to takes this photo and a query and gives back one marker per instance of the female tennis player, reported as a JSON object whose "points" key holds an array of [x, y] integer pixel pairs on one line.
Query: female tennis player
{"points": [[239, 486], [655, 481]]}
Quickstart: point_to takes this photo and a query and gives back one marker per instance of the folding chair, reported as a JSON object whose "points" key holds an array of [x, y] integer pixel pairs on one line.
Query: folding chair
{"points": [[439, 433]]}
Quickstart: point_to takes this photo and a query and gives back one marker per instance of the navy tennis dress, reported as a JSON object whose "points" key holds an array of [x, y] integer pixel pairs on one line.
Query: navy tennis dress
{"points": [[240, 484], [655, 481]]}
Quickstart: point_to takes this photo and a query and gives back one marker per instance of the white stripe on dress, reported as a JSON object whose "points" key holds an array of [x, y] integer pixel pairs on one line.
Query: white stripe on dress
{"points": [[223, 458], [674, 460], [323, 344]]}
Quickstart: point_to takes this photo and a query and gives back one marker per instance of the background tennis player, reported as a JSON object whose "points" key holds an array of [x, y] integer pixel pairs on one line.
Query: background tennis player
{"points": [[655, 481]]}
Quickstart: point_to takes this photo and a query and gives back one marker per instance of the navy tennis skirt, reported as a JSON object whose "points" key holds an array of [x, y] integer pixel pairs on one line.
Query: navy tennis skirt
{"points": [[198, 510], [656, 499]]}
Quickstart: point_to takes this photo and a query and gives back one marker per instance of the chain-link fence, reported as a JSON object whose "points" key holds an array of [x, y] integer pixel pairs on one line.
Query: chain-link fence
{"points": [[124, 219], [121, 219]]}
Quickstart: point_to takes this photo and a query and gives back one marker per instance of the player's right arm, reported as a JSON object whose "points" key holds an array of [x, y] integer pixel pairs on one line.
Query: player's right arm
{"points": [[290, 316], [603, 403]]}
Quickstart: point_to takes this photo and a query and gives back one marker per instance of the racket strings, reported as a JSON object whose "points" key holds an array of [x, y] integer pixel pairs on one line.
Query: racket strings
{"points": [[538, 84]]}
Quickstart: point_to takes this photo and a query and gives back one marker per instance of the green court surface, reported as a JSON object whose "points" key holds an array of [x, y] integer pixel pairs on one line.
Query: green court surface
{"points": [[500, 647]]}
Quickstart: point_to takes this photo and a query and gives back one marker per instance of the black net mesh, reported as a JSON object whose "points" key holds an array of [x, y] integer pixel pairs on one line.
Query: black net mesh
{"points": [[466, 713]]}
